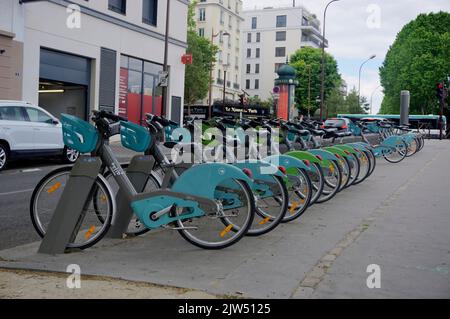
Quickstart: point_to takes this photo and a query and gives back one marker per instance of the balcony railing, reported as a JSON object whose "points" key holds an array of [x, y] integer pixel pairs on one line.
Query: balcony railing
{"points": [[219, 81]]}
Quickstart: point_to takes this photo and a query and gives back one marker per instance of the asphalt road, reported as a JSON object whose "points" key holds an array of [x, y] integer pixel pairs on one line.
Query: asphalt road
{"points": [[16, 186], [17, 183]]}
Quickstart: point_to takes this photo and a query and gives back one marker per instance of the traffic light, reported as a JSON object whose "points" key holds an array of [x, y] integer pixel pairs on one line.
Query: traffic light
{"points": [[440, 91]]}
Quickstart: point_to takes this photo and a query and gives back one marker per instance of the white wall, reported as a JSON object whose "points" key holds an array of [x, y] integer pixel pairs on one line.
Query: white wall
{"points": [[11, 18], [45, 26]]}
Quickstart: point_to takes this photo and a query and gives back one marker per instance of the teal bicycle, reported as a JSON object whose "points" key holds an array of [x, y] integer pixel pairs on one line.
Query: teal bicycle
{"points": [[211, 205]]}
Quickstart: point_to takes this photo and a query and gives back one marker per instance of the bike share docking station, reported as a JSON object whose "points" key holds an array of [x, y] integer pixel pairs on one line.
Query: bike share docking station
{"points": [[77, 195]]}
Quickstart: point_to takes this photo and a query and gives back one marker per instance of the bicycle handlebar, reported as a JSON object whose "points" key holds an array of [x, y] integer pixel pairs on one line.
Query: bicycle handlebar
{"points": [[97, 115]]}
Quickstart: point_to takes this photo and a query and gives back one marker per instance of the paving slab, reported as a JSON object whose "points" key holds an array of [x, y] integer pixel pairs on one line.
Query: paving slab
{"points": [[276, 265]]}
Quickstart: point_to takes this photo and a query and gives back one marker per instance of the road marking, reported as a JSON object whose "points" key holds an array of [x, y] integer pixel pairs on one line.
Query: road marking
{"points": [[17, 192]]}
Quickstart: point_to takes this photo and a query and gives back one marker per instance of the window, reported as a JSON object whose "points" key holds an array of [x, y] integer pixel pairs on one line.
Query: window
{"points": [[258, 37], [277, 66], [281, 21], [139, 80], [254, 23], [249, 68], [249, 53], [11, 113], [35, 115], [230, 21], [119, 6], [249, 37], [256, 84], [222, 17], [258, 52], [280, 51], [150, 12], [201, 32], [281, 36], [202, 14], [247, 84], [257, 68]]}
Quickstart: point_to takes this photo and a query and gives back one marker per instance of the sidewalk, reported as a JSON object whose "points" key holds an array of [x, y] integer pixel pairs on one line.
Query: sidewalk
{"points": [[20, 284], [398, 219]]}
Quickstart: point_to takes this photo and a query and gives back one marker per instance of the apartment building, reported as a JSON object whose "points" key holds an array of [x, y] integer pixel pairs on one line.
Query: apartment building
{"points": [[79, 55], [220, 21], [269, 36]]}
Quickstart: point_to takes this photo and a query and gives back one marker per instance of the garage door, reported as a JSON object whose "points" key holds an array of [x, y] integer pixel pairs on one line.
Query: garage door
{"points": [[58, 66]]}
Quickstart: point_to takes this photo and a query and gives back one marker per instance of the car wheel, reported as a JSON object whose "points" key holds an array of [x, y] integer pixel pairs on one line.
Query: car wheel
{"points": [[70, 156], [3, 156]]}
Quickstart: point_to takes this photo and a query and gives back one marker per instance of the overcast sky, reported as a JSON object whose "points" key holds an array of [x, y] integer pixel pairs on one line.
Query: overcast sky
{"points": [[355, 32]]}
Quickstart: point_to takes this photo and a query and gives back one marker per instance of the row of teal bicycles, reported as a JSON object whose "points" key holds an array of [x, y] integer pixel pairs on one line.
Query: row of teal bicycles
{"points": [[216, 181]]}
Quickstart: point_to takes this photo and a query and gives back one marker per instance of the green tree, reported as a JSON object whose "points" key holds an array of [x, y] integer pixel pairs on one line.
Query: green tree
{"points": [[353, 105], [256, 101], [336, 104], [417, 61], [307, 62], [196, 84]]}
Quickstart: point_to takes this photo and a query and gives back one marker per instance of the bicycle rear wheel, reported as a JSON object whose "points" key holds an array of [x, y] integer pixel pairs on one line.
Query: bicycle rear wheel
{"points": [[94, 221], [365, 167], [270, 209], [136, 227], [317, 181], [397, 153], [229, 224], [355, 168], [300, 194], [332, 176]]}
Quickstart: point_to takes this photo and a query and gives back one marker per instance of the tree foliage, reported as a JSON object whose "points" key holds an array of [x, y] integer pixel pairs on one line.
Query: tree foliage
{"points": [[307, 61], [339, 104], [417, 61], [197, 79]]}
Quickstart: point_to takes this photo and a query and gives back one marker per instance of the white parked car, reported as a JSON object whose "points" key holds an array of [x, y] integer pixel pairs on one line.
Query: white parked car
{"points": [[28, 131]]}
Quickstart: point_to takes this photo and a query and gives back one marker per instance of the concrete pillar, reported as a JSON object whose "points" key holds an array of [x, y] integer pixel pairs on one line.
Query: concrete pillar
{"points": [[404, 107]]}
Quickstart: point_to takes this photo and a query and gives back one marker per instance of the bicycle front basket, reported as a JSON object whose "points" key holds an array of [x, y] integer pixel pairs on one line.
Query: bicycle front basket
{"points": [[134, 137], [168, 131], [78, 134]]}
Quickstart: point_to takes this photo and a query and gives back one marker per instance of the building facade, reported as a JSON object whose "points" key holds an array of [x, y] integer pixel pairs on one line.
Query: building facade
{"points": [[77, 56], [220, 21], [269, 36]]}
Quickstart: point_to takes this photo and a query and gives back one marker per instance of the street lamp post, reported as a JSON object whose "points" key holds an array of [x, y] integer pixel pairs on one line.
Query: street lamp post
{"points": [[213, 35], [166, 57], [322, 86], [359, 80], [371, 98], [224, 83]]}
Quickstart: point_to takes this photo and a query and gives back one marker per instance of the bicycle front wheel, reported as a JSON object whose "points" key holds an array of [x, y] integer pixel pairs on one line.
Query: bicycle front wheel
{"points": [[94, 222]]}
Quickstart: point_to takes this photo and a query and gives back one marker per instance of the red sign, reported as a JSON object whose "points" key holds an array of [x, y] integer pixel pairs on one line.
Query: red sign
{"points": [[187, 59]]}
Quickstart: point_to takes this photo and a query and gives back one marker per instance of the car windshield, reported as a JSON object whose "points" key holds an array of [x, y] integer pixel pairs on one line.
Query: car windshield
{"points": [[334, 123]]}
